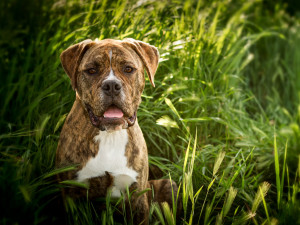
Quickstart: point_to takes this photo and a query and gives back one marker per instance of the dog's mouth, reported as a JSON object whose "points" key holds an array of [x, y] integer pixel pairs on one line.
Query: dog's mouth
{"points": [[112, 119]]}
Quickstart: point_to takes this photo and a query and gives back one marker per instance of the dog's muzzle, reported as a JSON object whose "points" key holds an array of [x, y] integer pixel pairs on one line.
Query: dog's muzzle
{"points": [[112, 118]]}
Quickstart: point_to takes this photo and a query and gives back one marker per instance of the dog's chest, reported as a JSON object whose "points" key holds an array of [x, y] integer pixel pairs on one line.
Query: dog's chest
{"points": [[110, 158]]}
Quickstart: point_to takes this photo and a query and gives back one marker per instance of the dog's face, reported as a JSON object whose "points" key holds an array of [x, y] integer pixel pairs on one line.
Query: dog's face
{"points": [[108, 77]]}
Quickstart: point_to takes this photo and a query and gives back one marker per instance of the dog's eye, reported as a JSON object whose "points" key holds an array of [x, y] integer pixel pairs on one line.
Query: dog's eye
{"points": [[128, 69], [91, 71]]}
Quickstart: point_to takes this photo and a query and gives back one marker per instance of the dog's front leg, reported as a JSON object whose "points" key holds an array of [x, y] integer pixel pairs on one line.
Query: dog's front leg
{"points": [[97, 186], [137, 206], [139, 209]]}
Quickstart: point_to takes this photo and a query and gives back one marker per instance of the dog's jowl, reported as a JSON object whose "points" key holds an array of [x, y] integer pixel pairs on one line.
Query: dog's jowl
{"points": [[101, 133]]}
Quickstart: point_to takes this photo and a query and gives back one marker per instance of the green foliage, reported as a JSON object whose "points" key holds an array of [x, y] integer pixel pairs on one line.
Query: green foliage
{"points": [[223, 120]]}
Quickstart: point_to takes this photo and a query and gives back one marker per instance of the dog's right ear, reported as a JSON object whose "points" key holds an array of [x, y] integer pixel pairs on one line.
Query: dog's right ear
{"points": [[71, 58], [149, 55]]}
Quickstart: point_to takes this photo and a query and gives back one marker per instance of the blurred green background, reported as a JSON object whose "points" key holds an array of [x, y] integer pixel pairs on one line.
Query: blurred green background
{"points": [[223, 120]]}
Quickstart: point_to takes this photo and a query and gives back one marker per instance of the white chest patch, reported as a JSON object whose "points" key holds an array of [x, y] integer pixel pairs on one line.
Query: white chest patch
{"points": [[111, 158]]}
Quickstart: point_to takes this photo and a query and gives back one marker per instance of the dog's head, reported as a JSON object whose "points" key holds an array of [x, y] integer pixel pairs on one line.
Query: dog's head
{"points": [[108, 77]]}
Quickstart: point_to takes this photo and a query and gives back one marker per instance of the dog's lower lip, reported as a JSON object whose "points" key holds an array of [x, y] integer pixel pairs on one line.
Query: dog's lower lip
{"points": [[131, 119], [94, 119]]}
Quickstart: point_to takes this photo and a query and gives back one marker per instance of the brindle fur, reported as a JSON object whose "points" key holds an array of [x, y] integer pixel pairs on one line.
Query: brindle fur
{"points": [[76, 145]]}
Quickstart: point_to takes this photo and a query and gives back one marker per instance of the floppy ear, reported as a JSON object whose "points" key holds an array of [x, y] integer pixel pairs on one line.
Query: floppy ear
{"points": [[71, 58], [149, 55]]}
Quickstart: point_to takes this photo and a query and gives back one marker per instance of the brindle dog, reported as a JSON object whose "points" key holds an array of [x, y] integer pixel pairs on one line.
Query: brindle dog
{"points": [[101, 133]]}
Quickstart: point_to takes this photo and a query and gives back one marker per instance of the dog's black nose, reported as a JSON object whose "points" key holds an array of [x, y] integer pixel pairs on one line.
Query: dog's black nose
{"points": [[111, 87]]}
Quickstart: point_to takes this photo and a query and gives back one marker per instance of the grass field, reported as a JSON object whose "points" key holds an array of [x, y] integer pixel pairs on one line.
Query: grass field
{"points": [[223, 120]]}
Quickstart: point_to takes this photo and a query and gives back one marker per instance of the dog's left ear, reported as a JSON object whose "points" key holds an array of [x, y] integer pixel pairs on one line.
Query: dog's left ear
{"points": [[71, 58], [149, 55]]}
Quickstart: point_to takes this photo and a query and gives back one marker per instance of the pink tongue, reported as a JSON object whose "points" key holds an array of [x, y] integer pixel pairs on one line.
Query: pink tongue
{"points": [[113, 112]]}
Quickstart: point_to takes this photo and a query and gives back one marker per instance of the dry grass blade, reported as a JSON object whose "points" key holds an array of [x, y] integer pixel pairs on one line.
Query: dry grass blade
{"points": [[229, 200], [260, 194], [218, 162]]}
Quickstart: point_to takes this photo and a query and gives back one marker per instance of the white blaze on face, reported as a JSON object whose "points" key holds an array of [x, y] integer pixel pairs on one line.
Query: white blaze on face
{"points": [[111, 158], [112, 76], [110, 55]]}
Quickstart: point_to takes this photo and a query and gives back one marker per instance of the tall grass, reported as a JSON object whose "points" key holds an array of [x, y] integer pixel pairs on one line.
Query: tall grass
{"points": [[223, 120]]}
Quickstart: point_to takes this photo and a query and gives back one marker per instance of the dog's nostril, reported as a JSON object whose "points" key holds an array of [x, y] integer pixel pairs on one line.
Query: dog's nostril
{"points": [[106, 87], [117, 87]]}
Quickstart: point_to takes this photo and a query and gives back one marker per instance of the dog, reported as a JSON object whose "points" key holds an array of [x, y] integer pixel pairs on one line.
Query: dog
{"points": [[101, 133]]}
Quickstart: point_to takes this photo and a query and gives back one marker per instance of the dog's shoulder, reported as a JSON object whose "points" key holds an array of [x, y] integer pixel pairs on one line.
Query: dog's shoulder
{"points": [[76, 144]]}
